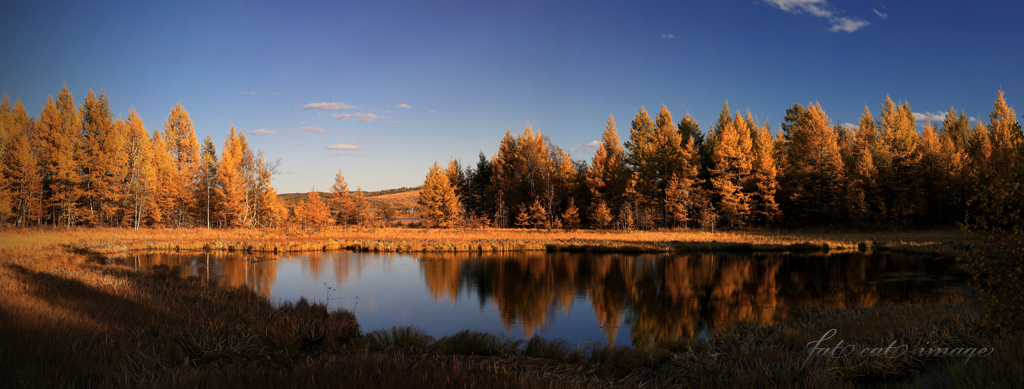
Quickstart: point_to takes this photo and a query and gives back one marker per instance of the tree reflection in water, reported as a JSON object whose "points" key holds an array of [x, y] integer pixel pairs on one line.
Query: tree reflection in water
{"points": [[659, 297]]}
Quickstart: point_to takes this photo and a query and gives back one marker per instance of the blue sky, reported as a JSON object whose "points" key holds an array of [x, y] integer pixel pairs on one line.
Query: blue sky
{"points": [[395, 85]]}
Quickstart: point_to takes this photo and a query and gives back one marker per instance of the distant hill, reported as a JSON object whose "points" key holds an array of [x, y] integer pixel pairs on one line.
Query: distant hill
{"points": [[402, 198]]}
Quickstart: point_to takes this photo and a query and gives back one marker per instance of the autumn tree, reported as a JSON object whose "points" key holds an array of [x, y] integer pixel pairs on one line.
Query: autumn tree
{"points": [[608, 173], [955, 138], [341, 201], [312, 213], [206, 177], [439, 206], [166, 183], [19, 171], [360, 208], [230, 182], [865, 206], [640, 157], [101, 162], [181, 142], [269, 210], [600, 217], [898, 161], [763, 183], [570, 217], [815, 168], [731, 171], [140, 177], [56, 143]]}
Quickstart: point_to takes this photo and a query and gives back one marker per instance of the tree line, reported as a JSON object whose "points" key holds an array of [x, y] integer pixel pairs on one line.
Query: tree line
{"points": [[75, 165], [880, 172]]}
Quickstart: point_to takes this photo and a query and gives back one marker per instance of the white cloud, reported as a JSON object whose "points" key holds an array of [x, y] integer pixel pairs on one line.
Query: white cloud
{"points": [[595, 143], [343, 146], [328, 106], [847, 25], [313, 129], [262, 131], [935, 117], [364, 117], [880, 14], [821, 9], [668, 36], [249, 93], [403, 106]]}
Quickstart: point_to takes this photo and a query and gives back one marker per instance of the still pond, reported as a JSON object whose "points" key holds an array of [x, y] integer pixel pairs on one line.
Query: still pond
{"points": [[585, 299]]}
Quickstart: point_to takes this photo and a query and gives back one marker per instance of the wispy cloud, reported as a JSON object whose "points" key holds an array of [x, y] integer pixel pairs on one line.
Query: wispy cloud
{"points": [[328, 106], [933, 116], [668, 36], [299, 144], [249, 93], [396, 121], [377, 142], [433, 111], [262, 131], [821, 9], [403, 106], [880, 14], [313, 129], [344, 155], [343, 146], [363, 117], [594, 143]]}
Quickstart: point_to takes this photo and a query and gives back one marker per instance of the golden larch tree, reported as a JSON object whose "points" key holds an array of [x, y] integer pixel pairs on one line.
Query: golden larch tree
{"points": [[140, 179], [180, 138], [730, 171], [230, 184], [341, 200], [439, 207]]}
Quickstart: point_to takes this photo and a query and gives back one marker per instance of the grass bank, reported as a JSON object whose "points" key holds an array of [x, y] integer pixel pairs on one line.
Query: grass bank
{"points": [[114, 240]]}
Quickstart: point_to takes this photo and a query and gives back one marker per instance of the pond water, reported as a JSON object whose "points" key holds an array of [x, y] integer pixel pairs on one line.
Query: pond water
{"points": [[631, 300]]}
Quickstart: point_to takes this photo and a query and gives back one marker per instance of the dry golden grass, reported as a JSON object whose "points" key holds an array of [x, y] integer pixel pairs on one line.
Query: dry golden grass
{"points": [[398, 239]]}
